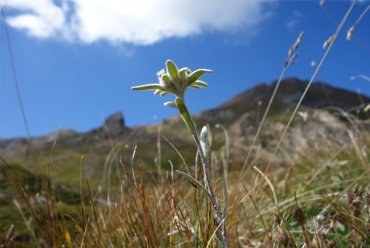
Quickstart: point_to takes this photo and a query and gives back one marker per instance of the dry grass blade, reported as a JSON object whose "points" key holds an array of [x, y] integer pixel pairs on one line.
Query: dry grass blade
{"points": [[269, 183], [194, 181]]}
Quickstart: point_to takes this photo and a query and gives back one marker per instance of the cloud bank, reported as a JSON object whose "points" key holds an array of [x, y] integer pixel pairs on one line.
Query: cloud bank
{"points": [[139, 22]]}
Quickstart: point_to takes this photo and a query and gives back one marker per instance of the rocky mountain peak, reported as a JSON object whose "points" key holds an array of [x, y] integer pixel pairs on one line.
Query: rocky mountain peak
{"points": [[115, 123]]}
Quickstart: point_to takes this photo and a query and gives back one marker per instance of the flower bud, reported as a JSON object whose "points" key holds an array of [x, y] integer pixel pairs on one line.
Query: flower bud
{"points": [[165, 80], [183, 73]]}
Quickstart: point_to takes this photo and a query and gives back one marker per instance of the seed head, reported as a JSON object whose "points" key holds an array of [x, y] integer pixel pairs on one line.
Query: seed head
{"points": [[350, 33], [328, 42], [292, 52], [299, 216]]}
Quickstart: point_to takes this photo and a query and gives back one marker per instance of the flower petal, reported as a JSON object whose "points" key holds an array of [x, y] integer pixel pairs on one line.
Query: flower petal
{"points": [[163, 93], [199, 84], [171, 104], [148, 87], [160, 73], [172, 69], [183, 73], [157, 92], [195, 75]]}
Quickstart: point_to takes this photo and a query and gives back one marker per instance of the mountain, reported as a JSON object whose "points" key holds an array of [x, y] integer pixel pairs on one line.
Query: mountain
{"points": [[325, 118], [320, 95]]}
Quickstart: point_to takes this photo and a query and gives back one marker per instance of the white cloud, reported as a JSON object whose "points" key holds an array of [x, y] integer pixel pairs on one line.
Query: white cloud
{"points": [[40, 18], [139, 22]]}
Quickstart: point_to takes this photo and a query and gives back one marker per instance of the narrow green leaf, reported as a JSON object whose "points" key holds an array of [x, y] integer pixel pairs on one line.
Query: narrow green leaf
{"points": [[195, 75], [147, 87], [194, 181], [185, 115], [172, 69]]}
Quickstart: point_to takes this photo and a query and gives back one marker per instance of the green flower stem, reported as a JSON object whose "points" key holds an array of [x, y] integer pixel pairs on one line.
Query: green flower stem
{"points": [[207, 181]]}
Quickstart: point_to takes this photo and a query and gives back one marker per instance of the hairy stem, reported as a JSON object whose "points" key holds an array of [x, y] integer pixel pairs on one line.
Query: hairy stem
{"points": [[207, 181]]}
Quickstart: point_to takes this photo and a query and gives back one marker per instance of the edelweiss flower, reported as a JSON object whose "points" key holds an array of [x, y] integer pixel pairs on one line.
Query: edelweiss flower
{"points": [[175, 81]]}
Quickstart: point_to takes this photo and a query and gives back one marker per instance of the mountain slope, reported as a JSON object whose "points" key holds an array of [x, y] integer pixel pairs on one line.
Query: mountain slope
{"points": [[323, 121], [320, 95]]}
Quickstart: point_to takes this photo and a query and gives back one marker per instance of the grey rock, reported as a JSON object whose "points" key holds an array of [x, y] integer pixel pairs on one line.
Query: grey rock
{"points": [[115, 123]]}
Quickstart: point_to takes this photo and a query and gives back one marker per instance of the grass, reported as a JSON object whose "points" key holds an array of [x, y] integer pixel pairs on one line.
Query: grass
{"points": [[166, 210]]}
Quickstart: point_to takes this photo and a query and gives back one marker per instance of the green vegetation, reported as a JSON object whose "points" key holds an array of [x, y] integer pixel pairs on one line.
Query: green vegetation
{"points": [[330, 191]]}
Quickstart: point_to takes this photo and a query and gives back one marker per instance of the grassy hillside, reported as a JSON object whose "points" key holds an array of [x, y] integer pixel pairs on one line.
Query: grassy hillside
{"points": [[322, 200]]}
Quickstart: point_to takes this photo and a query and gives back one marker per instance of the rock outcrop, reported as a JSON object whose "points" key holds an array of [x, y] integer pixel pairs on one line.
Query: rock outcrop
{"points": [[115, 124]]}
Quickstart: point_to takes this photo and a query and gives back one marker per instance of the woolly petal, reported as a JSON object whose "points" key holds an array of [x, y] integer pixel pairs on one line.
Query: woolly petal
{"points": [[183, 73], [158, 92], [147, 87], [163, 93], [172, 69], [199, 84], [171, 104], [195, 75]]}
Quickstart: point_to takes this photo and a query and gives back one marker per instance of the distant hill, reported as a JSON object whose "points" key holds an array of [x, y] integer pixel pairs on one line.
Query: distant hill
{"points": [[324, 120]]}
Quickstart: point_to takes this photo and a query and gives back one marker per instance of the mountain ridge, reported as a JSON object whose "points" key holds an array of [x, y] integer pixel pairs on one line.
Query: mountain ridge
{"points": [[293, 84], [320, 95], [241, 115]]}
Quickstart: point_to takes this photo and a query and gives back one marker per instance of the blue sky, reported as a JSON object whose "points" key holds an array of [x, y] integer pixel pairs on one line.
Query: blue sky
{"points": [[76, 60]]}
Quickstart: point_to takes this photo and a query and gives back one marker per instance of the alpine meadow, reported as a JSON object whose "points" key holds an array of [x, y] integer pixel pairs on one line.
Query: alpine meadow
{"points": [[279, 164]]}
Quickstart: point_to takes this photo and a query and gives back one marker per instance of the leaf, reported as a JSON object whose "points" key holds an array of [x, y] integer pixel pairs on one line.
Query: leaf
{"points": [[199, 84], [185, 115], [148, 87], [172, 69], [194, 181], [195, 75], [204, 140]]}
